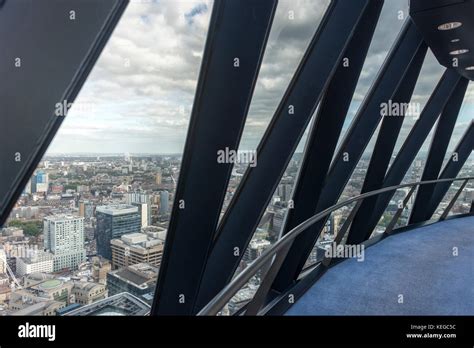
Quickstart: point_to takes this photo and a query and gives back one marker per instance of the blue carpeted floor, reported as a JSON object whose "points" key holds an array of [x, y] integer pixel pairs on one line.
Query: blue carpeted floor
{"points": [[418, 264]]}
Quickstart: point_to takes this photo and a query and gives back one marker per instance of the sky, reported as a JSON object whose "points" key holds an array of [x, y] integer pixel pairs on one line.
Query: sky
{"points": [[139, 96]]}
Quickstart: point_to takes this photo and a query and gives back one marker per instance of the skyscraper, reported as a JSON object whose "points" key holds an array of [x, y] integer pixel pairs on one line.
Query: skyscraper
{"points": [[64, 238], [113, 221]]}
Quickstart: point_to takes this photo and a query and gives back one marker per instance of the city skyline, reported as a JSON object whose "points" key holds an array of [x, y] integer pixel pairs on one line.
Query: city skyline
{"points": [[116, 211]]}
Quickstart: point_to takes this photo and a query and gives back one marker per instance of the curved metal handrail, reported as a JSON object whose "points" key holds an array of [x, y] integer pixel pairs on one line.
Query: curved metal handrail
{"points": [[223, 297]]}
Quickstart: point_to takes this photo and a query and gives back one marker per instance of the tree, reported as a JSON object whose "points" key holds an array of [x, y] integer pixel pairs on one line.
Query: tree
{"points": [[30, 228]]}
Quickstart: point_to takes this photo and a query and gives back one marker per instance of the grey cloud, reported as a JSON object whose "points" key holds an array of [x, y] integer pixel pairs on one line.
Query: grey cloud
{"points": [[144, 101]]}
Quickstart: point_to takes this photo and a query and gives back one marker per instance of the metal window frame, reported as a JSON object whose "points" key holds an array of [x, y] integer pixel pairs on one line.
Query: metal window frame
{"points": [[437, 152], [463, 150], [237, 30], [386, 141], [449, 84], [328, 123], [279, 143], [355, 141]]}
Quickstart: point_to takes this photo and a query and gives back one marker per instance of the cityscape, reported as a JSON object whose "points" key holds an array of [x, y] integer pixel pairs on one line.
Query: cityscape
{"points": [[177, 166], [90, 229]]}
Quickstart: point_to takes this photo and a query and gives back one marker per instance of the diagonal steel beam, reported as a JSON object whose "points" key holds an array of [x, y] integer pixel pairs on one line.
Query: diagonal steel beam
{"points": [[323, 137], [328, 124], [279, 142], [326, 129], [437, 152], [446, 88], [48, 49], [234, 50], [356, 139], [386, 141], [460, 155]]}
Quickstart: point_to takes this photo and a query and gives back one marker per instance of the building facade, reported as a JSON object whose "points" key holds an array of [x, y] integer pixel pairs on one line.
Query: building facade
{"points": [[85, 293], [39, 262], [113, 221], [40, 182], [135, 248], [138, 280], [143, 202], [64, 238]]}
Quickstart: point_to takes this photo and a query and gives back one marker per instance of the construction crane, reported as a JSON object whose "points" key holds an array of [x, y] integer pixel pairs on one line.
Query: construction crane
{"points": [[15, 284]]}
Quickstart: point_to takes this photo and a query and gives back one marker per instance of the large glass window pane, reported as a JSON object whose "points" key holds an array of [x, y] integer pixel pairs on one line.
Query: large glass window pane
{"points": [[91, 222]]}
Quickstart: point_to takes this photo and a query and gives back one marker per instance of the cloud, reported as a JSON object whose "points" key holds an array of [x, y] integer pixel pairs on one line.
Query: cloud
{"points": [[140, 93]]}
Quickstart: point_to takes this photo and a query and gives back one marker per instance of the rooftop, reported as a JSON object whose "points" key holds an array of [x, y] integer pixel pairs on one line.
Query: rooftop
{"points": [[50, 284], [62, 217], [41, 256], [138, 241], [86, 285], [117, 209], [139, 275], [37, 308], [118, 305]]}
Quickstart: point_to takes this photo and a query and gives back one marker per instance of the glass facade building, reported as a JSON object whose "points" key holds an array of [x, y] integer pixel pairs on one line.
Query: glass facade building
{"points": [[113, 221]]}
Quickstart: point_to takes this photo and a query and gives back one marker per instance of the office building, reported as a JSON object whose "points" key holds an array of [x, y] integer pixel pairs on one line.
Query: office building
{"points": [[144, 210], [142, 202], [139, 280], [134, 248], [41, 182], [157, 232], [40, 261], [113, 221], [64, 238]]}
